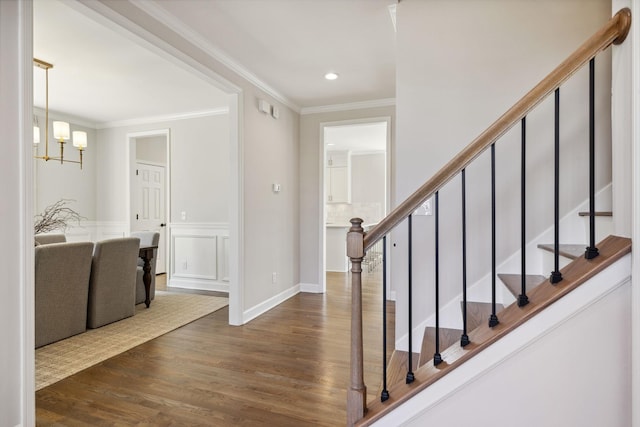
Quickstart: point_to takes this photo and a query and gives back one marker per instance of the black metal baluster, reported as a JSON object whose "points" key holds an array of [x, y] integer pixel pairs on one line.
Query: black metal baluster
{"points": [[410, 376], [556, 276], [464, 339], [493, 318], [437, 358], [592, 251], [523, 299], [385, 393]]}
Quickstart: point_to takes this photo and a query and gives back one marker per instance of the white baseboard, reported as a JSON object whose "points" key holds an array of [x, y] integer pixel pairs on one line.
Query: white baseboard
{"points": [[312, 288], [267, 305], [199, 284]]}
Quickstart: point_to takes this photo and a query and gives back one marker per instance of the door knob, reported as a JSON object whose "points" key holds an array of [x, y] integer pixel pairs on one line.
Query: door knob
{"points": [[163, 225]]}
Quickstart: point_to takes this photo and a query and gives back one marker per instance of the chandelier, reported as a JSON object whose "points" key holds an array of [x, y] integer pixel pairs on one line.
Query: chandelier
{"points": [[61, 130]]}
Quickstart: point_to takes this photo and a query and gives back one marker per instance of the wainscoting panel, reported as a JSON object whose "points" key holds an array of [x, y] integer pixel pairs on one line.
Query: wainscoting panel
{"points": [[195, 256], [224, 267], [199, 251], [199, 256]]}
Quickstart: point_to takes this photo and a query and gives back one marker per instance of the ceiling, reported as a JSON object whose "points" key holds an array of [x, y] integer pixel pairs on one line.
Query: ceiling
{"points": [[102, 76], [105, 75]]}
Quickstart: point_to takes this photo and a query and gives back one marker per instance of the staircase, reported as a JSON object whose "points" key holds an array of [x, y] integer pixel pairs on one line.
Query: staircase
{"points": [[484, 322], [482, 337], [478, 311]]}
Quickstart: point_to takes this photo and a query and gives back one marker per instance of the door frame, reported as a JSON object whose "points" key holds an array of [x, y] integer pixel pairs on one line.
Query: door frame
{"points": [[160, 45], [131, 160], [322, 238]]}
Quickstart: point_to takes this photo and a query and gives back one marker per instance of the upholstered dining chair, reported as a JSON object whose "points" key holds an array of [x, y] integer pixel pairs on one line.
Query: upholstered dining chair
{"points": [[113, 280], [46, 239], [147, 238], [61, 288]]}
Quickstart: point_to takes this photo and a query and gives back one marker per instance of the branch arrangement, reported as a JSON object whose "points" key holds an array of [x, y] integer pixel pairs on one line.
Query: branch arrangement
{"points": [[56, 217]]}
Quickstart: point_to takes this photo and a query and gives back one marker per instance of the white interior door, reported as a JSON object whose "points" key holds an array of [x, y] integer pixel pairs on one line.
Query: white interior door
{"points": [[150, 213]]}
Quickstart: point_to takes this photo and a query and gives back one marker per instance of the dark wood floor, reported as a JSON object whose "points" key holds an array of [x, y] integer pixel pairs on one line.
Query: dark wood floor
{"points": [[289, 367]]}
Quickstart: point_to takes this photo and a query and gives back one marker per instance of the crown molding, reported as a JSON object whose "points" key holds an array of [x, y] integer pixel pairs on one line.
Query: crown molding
{"points": [[387, 102], [163, 118], [55, 115], [116, 20], [79, 121], [187, 33]]}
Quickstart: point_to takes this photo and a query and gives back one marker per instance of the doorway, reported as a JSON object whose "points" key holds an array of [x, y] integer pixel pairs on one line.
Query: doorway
{"points": [[149, 190], [355, 183]]}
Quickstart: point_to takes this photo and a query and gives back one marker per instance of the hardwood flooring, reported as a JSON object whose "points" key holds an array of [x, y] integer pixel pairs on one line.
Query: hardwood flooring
{"points": [[289, 367]]}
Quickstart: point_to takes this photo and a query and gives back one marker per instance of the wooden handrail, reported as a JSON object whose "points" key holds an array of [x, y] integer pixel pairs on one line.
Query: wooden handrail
{"points": [[614, 32]]}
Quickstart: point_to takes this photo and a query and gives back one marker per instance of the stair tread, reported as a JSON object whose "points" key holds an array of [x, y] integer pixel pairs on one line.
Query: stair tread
{"points": [[571, 251], [448, 337], [513, 282], [597, 213], [397, 367], [478, 313]]}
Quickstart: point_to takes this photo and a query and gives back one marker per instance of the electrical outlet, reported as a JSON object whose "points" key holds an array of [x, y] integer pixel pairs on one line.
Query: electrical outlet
{"points": [[183, 215], [184, 265], [274, 278]]}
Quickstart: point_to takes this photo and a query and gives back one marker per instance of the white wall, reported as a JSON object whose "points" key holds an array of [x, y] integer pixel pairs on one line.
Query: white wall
{"points": [[621, 129], [368, 180], [55, 181], [449, 89], [271, 220], [310, 197], [152, 149], [199, 169], [16, 254]]}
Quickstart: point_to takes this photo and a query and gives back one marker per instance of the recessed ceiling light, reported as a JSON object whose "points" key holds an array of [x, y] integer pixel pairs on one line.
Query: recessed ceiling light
{"points": [[331, 76]]}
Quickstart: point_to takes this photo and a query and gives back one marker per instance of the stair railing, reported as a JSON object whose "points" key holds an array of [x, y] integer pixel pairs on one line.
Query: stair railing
{"points": [[358, 242]]}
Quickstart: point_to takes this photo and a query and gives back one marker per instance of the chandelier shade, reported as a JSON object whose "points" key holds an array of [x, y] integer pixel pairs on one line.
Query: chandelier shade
{"points": [[36, 134], [80, 139], [61, 131]]}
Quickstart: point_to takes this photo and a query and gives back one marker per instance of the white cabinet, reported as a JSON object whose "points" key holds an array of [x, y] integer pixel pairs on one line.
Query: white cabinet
{"points": [[338, 177], [337, 159]]}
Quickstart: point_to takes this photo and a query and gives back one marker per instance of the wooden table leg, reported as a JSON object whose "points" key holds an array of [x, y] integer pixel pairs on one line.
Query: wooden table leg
{"points": [[146, 253], [146, 278]]}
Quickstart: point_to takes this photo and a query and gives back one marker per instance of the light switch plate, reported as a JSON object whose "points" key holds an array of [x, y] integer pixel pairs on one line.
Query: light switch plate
{"points": [[264, 106], [424, 209]]}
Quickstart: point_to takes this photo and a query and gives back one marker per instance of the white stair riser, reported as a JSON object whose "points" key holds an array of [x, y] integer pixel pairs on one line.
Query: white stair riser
{"points": [[604, 227], [548, 262]]}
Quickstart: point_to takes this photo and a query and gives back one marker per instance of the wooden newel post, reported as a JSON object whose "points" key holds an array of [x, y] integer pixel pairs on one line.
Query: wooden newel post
{"points": [[357, 394]]}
